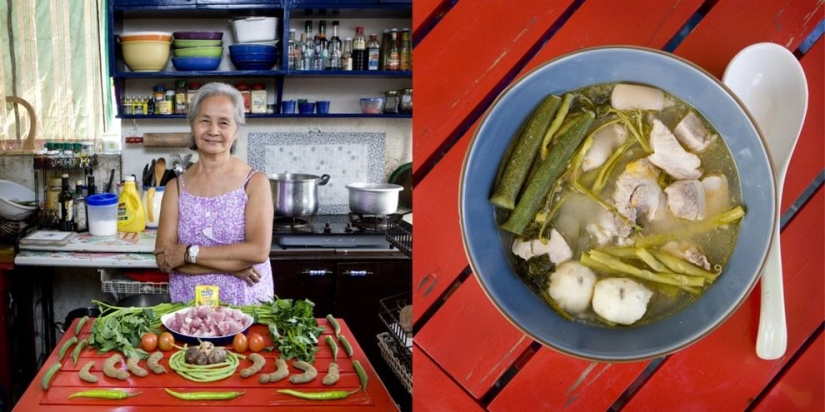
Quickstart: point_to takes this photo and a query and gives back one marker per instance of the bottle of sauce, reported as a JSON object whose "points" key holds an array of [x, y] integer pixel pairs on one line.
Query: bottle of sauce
{"points": [[393, 52], [247, 97], [346, 57], [65, 202], [190, 94], [258, 96], [359, 50], [180, 97], [406, 50], [373, 52], [80, 219], [131, 217]]}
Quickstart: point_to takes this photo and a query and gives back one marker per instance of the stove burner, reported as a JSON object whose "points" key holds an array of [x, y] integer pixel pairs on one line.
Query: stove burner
{"points": [[289, 224], [371, 222]]}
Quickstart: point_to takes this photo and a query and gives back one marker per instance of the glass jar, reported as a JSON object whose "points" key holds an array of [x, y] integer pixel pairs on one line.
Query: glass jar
{"points": [[54, 189], [190, 94], [247, 97], [258, 99], [158, 94], [406, 104], [391, 107]]}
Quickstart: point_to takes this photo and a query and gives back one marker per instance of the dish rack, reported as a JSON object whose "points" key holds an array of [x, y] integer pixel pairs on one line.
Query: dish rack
{"points": [[395, 343], [399, 234], [115, 282]]}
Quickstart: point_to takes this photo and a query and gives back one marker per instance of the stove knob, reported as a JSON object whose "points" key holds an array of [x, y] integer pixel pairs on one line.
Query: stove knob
{"points": [[348, 229], [327, 229]]}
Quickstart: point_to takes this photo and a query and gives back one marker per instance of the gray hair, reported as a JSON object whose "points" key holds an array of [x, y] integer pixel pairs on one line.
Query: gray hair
{"points": [[213, 89]]}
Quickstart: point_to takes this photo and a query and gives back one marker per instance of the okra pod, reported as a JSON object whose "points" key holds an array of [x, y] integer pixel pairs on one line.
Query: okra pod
{"points": [[345, 344], [335, 326], [77, 349], [80, 324], [362, 374], [66, 346], [332, 346], [47, 378], [523, 154], [549, 170]]}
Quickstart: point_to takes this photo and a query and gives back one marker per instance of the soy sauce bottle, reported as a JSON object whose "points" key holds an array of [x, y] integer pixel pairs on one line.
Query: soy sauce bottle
{"points": [[65, 200]]}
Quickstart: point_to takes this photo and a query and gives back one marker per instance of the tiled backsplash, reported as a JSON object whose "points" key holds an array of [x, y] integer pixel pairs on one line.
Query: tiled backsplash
{"points": [[345, 157]]}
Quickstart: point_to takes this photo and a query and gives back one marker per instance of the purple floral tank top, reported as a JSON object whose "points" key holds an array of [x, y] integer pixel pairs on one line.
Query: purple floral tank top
{"points": [[211, 221]]}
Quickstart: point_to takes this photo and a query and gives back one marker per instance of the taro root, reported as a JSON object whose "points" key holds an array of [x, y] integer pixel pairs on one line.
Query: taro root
{"points": [[217, 355], [405, 318], [194, 356]]}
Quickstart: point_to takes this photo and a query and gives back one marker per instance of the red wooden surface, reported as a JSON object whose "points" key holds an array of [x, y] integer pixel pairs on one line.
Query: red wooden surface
{"points": [[466, 352], [258, 396]]}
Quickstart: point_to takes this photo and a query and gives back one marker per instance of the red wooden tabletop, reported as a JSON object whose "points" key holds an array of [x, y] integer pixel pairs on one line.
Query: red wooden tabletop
{"points": [[257, 397], [467, 355]]}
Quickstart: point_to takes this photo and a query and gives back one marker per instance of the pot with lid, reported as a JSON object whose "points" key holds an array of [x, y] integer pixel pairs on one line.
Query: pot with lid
{"points": [[373, 198], [296, 194]]}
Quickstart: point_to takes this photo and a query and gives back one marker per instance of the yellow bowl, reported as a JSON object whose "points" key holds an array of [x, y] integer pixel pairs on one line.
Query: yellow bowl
{"points": [[145, 36], [146, 56]]}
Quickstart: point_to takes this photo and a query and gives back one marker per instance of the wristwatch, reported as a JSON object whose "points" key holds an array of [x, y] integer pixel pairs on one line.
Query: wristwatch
{"points": [[192, 253]]}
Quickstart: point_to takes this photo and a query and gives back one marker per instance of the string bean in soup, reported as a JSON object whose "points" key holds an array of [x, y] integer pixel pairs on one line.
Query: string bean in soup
{"points": [[626, 209]]}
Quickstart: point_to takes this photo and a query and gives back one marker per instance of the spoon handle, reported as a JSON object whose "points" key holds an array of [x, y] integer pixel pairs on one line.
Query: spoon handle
{"points": [[772, 338]]}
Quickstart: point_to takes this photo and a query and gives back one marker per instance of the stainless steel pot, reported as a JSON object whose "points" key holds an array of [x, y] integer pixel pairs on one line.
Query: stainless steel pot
{"points": [[373, 198], [294, 194]]}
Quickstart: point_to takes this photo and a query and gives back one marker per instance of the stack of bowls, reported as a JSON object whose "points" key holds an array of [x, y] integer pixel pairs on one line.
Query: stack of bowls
{"points": [[145, 51], [197, 50], [253, 56]]}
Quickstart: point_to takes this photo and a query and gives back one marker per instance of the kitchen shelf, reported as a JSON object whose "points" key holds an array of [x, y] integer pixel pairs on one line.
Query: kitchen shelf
{"points": [[111, 282], [401, 368]]}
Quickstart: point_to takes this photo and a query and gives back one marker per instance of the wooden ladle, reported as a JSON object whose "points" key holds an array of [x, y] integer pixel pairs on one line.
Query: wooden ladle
{"points": [[160, 170], [28, 144]]}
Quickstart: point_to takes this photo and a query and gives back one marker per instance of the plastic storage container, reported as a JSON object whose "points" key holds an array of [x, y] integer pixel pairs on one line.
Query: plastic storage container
{"points": [[102, 211], [130, 214]]}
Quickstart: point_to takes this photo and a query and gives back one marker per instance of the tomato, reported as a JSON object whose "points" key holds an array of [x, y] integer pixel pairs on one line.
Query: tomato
{"points": [[166, 341], [256, 342], [240, 343], [149, 341]]}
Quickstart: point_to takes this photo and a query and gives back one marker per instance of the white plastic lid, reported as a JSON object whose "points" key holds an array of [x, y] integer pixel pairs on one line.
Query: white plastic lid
{"points": [[130, 178]]}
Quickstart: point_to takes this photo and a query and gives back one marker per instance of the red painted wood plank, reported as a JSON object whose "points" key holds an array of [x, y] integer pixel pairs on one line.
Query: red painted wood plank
{"points": [[470, 339], [572, 383], [722, 371], [436, 391], [423, 10], [467, 54], [809, 155], [731, 25], [801, 388], [604, 22]]}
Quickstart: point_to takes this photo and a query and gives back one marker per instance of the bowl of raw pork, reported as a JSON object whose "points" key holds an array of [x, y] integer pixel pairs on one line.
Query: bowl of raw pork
{"points": [[218, 324], [617, 203]]}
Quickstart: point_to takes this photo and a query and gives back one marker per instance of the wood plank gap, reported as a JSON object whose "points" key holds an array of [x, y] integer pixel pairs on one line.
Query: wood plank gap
{"points": [[428, 164], [637, 383], [803, 198], [786, 367], [810, 39], [510, 373], [431, 21], [439, 301], [689, 25]]}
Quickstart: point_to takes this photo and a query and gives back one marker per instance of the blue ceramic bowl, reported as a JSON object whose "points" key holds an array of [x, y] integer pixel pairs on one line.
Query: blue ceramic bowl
{"points": [[195, 340], [187, 64], [259, 57], [253, 64], [486, 246], [252, 48]]}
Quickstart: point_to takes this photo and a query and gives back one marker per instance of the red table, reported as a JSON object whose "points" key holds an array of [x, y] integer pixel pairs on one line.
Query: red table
{"points": [[257, 397], [468, 357]]}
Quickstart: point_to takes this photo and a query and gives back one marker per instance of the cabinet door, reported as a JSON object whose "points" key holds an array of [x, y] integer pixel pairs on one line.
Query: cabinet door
{"points": [[306, 279]]}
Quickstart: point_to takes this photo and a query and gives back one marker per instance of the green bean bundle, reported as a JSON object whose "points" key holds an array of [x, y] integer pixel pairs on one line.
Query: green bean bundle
{"points": [[204, 373]]}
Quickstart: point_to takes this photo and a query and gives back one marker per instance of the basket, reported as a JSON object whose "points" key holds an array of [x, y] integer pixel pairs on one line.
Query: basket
{"points": [[389, 313], [399, 234], [402, 369]]}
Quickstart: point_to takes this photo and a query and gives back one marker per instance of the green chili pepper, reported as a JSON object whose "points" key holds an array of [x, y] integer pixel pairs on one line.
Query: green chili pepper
{"points": [[80, 324], [317, 396], [104, 394], [77, 350], [47, 378], [345, 344], [362, 374], [66, 346], [201, 396], [336, 327], [333, 346]]}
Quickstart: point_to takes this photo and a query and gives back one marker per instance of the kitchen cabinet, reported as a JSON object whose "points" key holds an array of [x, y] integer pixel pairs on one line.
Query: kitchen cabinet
{"points": [[281, 83], [306, 279]]}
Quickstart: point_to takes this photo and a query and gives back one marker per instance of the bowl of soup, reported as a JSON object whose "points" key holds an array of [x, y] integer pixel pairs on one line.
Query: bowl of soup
{"points": [[617, 203]]}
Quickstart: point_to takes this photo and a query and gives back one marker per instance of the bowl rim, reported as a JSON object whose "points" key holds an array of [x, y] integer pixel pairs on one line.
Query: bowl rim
{"points": [[601, 343], [24, 209], [191, 338]]}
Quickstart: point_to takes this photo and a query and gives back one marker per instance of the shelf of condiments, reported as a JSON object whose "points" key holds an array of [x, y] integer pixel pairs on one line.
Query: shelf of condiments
{"points": [[176, 101], [64, 209], [314, 52], [62, 155]]}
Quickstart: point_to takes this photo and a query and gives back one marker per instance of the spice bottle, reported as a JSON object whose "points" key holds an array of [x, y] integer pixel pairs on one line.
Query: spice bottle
{"points": [[168, 103], [180, 97], [406, 103], [190, 94], [258, 97], [392, 101], [159, 93], [247, 97]]}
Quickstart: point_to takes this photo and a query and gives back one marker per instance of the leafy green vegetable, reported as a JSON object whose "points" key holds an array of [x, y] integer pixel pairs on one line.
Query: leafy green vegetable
{"points": [[536, 270], [120, 329], [292, 326]]}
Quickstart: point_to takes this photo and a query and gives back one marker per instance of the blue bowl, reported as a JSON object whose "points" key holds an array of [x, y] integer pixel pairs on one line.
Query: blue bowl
{"points": [[187, 64], [486, 245], [253, 65], [195, 340], [252, 48], [262, 57]]}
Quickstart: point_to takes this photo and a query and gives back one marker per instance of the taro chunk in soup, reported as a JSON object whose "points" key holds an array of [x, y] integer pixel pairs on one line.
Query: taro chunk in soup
{"points": [[620, 203]]}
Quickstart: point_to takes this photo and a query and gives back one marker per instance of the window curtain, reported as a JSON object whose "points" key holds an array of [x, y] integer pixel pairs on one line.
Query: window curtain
{"points": [[53, 55]]}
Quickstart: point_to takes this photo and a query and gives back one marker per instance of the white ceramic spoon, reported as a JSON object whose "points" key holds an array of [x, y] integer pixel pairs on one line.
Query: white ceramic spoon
{"points": [[771, 83]]}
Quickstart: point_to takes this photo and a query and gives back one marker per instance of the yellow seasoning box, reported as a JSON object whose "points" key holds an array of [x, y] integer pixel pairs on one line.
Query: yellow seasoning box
{"points": [[207, 295]]}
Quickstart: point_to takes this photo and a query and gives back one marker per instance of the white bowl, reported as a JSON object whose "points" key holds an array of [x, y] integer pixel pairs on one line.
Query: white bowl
{"points": [[10, 193]]}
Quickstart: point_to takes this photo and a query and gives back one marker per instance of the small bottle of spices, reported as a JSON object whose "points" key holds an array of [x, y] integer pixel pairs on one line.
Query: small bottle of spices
{"points": [[391, 107], [190, 93], [247, 97], [258, 96], [158, 93], [180, 97], [406, 103], [168, 104]]}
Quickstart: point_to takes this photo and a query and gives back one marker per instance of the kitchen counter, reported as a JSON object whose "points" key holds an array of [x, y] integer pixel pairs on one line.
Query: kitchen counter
{"points": [[257, 396]]}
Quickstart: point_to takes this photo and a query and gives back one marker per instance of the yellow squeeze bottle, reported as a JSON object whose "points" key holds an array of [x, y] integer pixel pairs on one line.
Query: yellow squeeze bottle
{"points": [[131, 217]]}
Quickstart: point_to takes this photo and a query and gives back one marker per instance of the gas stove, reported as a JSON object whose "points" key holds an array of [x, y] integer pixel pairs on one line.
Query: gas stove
{"points": [[332, 231]]}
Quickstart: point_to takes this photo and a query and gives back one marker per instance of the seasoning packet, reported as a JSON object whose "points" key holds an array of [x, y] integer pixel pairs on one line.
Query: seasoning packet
{"points": [[207, 295]]}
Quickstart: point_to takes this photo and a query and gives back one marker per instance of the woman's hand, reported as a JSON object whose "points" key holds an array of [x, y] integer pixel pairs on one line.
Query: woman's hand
{"points": [[249, 275], [170, 257]]}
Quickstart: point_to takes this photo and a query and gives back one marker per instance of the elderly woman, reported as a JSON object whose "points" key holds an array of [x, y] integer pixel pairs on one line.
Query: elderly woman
{"points": [[215, 226]]}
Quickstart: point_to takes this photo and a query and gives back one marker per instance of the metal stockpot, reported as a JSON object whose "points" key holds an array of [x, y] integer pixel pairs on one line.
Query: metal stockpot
{"points": [[295, 194], [373, 198]]}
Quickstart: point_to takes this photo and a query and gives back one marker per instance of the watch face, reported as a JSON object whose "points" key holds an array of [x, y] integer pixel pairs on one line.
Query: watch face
{"points": [[193, 253]]}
